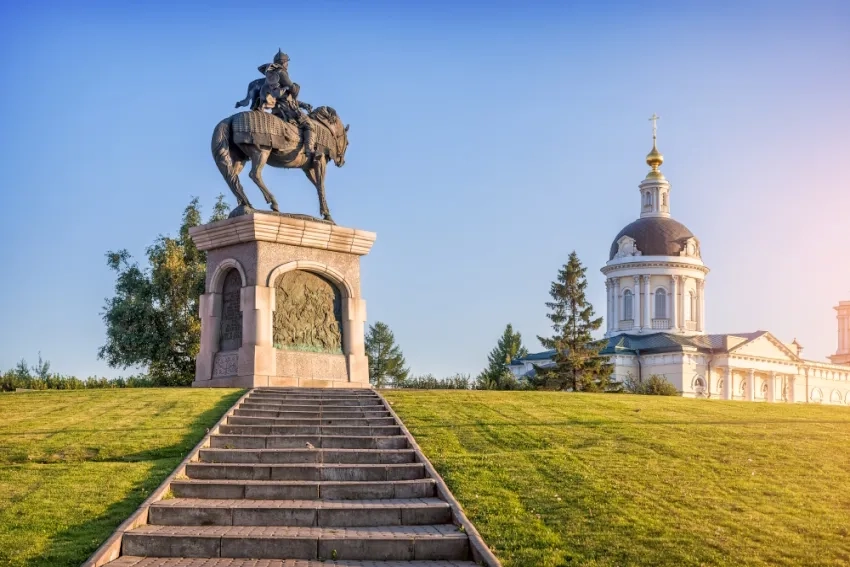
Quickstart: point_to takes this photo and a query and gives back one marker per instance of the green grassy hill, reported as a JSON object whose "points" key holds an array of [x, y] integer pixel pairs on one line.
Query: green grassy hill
{"points": [[75, 464], [554, 479]]}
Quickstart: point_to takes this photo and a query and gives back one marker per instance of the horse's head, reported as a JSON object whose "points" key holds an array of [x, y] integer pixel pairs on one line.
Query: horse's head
{"points": [[341, 145]]}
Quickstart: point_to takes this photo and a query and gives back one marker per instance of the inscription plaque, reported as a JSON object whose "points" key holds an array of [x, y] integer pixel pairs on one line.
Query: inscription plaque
{"points": [[230, 337]]}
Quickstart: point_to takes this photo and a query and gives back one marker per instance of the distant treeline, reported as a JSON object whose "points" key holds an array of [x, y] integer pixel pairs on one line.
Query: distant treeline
{"points": [[39, 377], [431, 382]]}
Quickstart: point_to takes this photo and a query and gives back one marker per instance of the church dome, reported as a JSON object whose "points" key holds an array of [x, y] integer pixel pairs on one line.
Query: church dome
{"points": [[654, 236]]}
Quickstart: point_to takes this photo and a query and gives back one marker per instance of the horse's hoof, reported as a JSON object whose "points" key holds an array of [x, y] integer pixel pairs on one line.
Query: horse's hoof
{"points": [[274, 208]]}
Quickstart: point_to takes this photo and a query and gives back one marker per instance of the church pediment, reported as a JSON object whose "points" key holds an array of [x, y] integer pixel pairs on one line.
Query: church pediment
{"points": [[765, 346], [627, 246]]}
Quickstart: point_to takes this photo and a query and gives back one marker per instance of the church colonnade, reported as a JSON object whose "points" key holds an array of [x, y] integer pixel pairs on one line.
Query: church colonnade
{"points": [[749, 384], [645, 301]]}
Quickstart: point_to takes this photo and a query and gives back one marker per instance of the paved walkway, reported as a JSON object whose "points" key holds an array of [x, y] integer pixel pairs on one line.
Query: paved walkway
{"points": [[302, 478]]}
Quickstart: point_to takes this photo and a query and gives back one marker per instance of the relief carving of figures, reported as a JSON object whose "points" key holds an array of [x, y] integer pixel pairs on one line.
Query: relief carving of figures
{"points": [[308, 313], [230, 334]]}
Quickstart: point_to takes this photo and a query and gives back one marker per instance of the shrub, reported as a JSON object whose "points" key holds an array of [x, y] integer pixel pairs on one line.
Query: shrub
{"points": [[431, 382], [655, 385], [12, 380]]}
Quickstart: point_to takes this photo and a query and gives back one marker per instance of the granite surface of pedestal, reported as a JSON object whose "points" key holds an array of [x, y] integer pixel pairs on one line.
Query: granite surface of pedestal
{"points": [[247, 256]]}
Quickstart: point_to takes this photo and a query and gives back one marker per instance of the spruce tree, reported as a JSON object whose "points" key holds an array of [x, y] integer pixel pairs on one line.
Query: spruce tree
{"points": [[497, 375], [578, 364], [386, 362]]}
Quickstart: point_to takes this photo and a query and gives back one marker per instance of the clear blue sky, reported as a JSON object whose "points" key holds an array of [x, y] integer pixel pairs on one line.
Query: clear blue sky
{"points": [[488, 140]]}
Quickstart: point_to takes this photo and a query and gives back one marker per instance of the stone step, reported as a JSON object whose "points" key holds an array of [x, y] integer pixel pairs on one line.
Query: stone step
{"points": [[305, 455], [303, 490], [355, 414], [339, 422], [134, 561], [226, 441], [250, 404], [305, 513], [332, 430], [292, 400], [313, 397], [398, 543], [315, 472]]}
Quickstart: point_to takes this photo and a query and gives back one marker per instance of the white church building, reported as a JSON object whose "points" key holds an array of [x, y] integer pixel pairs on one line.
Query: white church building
{"points": [[655, 281]]}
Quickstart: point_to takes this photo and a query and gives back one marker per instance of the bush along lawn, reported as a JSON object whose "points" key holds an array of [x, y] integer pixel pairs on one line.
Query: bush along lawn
{"points": [[75, 464], [553, 479]]}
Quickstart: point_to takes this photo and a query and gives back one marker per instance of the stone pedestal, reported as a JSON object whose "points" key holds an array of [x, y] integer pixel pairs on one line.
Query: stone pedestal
{"points": [[307, 271]]}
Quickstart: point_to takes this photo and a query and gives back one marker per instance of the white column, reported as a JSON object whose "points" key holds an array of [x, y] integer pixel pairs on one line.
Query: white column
{"points": [[636, 301], [682, 281], [647, 302], [609, 303], [674, 302], [751, 385], [700, 305], [771, 387], [616, 303], [728, 386]]}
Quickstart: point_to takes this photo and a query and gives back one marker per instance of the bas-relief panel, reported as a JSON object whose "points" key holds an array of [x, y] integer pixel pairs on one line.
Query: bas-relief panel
{"points": [[230, 336], [225, 364], [308, 313]]}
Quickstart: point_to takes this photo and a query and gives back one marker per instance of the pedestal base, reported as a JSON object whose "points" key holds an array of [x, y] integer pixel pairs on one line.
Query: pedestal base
{"points": [[275, 382], [321, 309]]}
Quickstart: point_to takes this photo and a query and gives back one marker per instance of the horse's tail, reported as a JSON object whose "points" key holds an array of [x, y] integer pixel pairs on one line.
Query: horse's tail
{"points": [[223, 156]]}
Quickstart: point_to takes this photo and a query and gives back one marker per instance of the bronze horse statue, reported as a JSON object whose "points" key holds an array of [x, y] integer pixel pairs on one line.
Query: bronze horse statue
{"points": [[262, 138]]}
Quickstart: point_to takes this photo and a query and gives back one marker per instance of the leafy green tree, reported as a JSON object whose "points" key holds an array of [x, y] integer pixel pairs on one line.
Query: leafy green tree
{"points": [[497, 375], [578, 364], [153, 318], [386, 362]]}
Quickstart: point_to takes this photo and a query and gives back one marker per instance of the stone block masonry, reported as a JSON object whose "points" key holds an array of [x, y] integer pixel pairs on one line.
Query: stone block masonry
{"points": [[282, 304], [301, 477]]}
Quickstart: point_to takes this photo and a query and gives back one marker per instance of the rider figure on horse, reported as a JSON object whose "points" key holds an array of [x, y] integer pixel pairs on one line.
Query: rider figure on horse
{"points": [[280, 94]]}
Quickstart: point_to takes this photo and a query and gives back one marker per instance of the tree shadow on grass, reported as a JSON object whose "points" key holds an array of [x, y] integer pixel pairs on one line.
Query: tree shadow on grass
{"points": [[73, 545]]}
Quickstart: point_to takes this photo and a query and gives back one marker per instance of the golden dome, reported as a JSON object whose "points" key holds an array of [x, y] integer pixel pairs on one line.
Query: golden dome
{"points": [[654, 158]]}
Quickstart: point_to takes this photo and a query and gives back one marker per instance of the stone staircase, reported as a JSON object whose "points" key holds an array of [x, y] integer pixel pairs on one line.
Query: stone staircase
{"points": [[305, 478]]}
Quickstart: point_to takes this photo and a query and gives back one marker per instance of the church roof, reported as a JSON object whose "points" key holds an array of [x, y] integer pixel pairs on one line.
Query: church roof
{"points": [[664, 342], [654, 236]]}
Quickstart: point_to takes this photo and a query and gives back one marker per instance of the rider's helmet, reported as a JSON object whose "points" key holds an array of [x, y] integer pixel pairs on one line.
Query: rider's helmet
{"points": [[281, 57]]}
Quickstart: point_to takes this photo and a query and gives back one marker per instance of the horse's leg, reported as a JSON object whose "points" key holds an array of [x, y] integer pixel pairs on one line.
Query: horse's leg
{"points": [[316, 174], [241, 198], [259, 157]]}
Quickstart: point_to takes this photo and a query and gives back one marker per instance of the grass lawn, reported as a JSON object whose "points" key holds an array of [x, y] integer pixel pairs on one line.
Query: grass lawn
{"points": [[552, 479], [75, 464]]}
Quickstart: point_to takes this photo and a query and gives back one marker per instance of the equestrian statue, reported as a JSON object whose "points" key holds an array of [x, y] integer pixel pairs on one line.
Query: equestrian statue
{"points": [[292, 134]]}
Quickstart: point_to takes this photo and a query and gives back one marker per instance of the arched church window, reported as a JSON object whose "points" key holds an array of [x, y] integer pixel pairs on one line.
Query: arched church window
{"points": [[699, 386], [660, 303], [628, 306]]}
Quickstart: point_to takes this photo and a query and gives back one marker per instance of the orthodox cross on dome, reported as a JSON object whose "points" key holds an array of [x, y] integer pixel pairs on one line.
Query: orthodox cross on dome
{"points": [[654, 119], [654, 159]]}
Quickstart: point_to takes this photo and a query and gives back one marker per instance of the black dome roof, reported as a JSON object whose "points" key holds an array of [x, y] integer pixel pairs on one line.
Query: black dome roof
{"points": [[654, 236]]}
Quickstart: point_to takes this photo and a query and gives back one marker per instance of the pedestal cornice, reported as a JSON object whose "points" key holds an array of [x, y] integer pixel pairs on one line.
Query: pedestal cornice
{"points": [[266, 227]]}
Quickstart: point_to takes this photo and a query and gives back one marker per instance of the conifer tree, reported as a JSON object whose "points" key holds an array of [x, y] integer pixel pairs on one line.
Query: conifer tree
{"points": [[578, 364], [497, 375], [386, 362]]}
